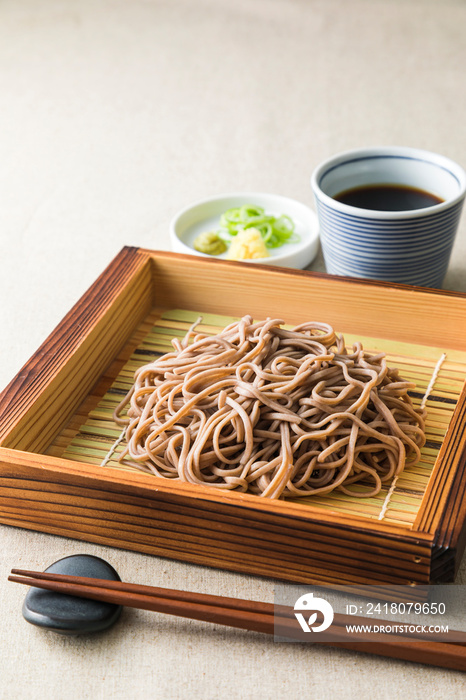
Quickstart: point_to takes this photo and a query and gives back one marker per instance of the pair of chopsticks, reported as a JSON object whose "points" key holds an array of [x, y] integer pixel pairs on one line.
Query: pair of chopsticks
{"points": [[251, 615]]}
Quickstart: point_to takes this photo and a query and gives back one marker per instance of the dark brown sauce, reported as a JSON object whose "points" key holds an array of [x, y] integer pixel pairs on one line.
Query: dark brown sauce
{"points": [[387, 197]]}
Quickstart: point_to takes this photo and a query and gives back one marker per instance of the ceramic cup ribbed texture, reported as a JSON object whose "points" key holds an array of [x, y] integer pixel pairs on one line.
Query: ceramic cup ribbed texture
{"points": [[412, 246]]}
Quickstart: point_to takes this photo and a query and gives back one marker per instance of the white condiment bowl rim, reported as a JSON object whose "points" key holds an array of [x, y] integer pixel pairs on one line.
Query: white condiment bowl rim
{"points": [[308, 245]]}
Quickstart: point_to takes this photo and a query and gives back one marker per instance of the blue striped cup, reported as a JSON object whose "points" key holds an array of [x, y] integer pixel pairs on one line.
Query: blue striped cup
{"points": [[411, 246]]}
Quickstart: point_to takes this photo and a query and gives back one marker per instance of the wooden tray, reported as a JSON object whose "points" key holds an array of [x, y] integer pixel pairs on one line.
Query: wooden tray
{"points": [[413, 535]]}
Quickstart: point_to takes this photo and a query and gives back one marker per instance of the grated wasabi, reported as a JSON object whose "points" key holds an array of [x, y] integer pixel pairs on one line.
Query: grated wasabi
{"points": [[209, 243]]}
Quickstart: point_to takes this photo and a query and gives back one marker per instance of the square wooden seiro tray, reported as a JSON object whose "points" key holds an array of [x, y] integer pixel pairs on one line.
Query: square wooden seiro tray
{"points": [[59, 446]]}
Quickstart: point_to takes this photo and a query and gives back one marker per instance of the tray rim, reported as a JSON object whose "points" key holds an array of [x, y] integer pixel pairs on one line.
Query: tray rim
{"points": [[445, 530], [250, 502]]}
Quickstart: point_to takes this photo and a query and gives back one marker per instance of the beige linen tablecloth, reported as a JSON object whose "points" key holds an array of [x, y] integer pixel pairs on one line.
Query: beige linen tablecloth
{"points": [[113, 116]]}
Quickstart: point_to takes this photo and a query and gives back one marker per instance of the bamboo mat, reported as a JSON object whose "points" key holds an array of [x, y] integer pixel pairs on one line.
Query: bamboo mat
{"points": [[93, 437]]}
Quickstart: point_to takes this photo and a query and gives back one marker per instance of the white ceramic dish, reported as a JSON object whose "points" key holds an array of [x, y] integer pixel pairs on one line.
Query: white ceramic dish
{"points": [[205, 216]]}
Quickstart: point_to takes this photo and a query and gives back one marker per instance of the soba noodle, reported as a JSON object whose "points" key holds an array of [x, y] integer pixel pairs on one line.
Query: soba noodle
{"points": [[275, 412]]}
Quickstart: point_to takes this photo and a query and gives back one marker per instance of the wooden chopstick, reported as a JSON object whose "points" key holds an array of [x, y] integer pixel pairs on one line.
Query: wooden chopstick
{"points": [[249, 615], [154, 593], [137, 588], [198, 607]]}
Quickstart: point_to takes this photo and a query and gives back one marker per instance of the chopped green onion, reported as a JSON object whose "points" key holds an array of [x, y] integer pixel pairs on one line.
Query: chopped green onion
{"points": [[275, 231]]}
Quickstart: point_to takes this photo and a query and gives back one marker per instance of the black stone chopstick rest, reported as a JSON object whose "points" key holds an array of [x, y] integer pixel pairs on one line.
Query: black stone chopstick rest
{"points": [[68, 614]]}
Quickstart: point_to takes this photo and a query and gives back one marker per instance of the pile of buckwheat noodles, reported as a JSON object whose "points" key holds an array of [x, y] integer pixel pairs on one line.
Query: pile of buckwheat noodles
{"points": [[275, 412]]}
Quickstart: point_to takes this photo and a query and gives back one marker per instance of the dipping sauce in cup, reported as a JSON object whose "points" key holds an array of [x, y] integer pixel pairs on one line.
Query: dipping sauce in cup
{"points": [[389, 213]]}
